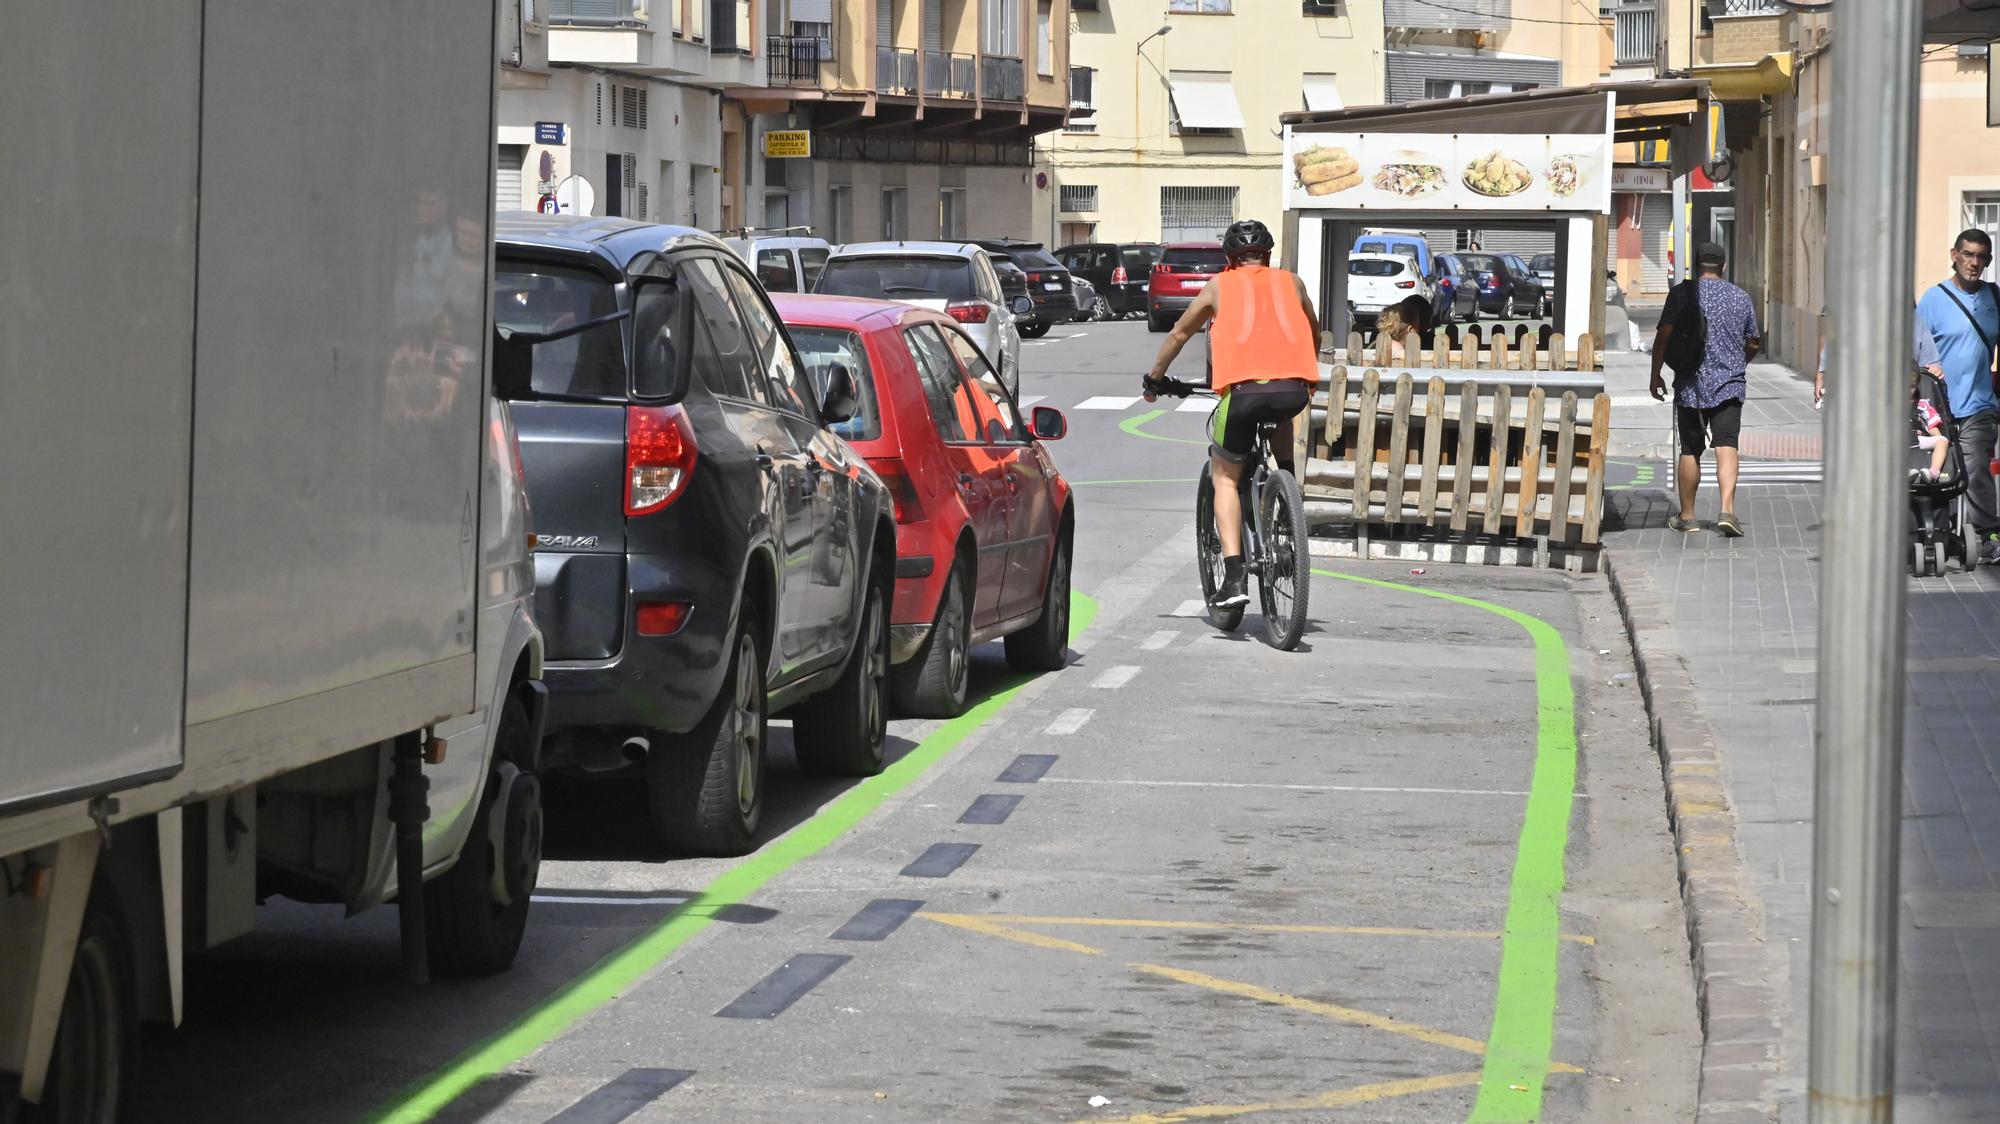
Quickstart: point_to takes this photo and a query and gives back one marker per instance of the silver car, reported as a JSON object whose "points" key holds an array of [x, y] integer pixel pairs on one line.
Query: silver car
{"points": [[955, 278], [783, 263]]}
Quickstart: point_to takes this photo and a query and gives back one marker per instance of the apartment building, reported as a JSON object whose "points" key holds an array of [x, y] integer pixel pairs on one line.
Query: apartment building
{"points": [[1173, 129], [620, 104], [905, 118], [1452, 48]]}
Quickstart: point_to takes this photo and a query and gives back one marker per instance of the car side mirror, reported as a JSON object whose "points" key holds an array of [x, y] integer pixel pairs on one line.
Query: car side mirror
{"points": [[1021, 306], [840, 401], [1049, 423]]}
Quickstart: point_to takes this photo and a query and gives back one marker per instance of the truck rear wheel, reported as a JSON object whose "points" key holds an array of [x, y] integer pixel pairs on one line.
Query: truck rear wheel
{"points": [[479, 908], [705, 788], [96, 1049]]}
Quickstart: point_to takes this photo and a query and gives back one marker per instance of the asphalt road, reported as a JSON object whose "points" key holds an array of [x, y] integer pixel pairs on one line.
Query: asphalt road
{"points": [[1416, 871]]}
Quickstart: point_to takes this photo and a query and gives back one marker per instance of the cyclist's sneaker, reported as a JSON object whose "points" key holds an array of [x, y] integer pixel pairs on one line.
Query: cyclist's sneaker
{"points": [[1235, 587]]}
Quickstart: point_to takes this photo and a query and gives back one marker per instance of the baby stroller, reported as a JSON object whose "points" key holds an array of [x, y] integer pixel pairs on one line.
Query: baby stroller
{"points": [[1940, 524]]}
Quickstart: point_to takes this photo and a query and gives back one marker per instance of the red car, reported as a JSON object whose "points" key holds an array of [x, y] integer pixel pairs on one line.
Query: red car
{"points": [[983, 518], [1178, 277]]}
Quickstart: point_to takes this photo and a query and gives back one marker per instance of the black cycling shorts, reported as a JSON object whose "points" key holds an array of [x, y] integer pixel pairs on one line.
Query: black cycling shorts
{"points": [[1716, 426], [1232, 428]]}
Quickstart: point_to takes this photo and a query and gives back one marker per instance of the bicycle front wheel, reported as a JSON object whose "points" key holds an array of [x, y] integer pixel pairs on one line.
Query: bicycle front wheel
{"points": [[1208, 555], [1285, 578]]}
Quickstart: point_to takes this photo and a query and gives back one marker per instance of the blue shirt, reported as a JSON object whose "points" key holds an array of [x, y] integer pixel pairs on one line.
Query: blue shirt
{"points": [[1967, 361], [1732, 324]]}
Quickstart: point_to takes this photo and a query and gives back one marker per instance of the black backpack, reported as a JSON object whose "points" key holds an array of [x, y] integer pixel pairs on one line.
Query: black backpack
{"points": [[1689, 342]]}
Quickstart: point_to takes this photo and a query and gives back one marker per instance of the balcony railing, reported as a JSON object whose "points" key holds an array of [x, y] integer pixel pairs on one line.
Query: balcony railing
{"points": [[1636, 32], [1002, 78], [1744, 7], [1081, 79], [1459, 15], [794, 59], [895, 71], [596, 13], [948, 75]]}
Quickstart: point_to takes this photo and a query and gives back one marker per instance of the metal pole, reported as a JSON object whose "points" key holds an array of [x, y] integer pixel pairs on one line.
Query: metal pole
{"points": [[1858, 798]]}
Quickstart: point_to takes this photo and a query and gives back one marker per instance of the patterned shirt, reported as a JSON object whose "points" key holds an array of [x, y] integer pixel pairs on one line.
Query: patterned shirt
{"points": [[1732, 324]]}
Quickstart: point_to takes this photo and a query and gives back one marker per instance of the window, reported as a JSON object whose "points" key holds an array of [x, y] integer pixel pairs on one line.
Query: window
{"points": [[723, 351], [811, 40], [900, 278], [775, 272], [839, 214], [1078, 197], [1045, 50], [950, 408], [1196, 214], [1002, 33], [1138, 260], [1322, 92], [951, 213], [895, 213], [786, 383], [1982, 209], [1459, 88], [544, 299], [820, 349], [1202, 103], [659, 338], [998, 421], [1203, 7], [812, 262]]}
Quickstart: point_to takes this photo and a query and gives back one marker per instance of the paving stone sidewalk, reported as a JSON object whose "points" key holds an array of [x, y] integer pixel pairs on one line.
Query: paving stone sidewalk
{"points": [[1725, 631]]}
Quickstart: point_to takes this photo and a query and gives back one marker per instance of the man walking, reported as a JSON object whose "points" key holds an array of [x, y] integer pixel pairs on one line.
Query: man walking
{"points": [[1964, 319], [1718, 329]]}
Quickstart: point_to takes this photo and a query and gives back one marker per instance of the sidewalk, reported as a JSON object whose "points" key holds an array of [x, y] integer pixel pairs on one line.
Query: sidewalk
{"points": [[1725, 632]]}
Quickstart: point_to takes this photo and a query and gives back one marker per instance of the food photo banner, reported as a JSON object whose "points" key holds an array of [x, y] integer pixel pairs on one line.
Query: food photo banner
{"points": [[1448, 171]]}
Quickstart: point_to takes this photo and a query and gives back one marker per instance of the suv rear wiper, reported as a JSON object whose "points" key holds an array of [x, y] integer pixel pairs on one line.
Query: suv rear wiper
{"points": [[516, 335]]}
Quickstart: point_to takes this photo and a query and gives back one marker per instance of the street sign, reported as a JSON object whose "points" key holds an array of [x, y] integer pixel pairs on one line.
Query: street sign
{"points": [[788, 143], [551, 132], [1641, 179]]}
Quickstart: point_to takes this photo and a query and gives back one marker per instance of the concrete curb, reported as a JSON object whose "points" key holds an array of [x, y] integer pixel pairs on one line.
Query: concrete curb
{"points": [[1743, 1052]]}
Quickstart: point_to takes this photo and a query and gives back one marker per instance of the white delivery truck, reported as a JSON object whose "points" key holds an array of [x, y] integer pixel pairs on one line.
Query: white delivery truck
{"points": [[265, 618]]}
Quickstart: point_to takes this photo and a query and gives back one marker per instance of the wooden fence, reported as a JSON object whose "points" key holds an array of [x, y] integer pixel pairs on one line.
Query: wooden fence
{"points": [[1467, 439]]}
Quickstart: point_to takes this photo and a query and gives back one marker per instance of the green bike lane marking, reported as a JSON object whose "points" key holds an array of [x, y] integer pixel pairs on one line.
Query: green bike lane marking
{"points": [[1642, 476], [612, 976], [1132, 426], [1522, 1039]]}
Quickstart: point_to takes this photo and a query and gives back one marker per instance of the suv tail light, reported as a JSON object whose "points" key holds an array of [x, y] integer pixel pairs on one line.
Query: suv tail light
{"points": [[902, 489], [1119, 276], [1034, 277], [968, 312], [659, 457]]}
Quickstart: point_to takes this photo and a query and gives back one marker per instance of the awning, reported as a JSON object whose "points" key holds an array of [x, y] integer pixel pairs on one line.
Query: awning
{"points": [[1748, 81], [1205, 100], [1322, 93]]}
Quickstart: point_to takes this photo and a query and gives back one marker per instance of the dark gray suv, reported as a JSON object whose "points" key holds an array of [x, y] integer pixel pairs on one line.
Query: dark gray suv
{"points": [[710, 552]]}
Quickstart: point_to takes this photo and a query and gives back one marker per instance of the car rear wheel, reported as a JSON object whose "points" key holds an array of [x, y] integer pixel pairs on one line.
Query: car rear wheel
{"points": [[840, 731], [478, 909], [1035, 330], [1100, 309], [705, 788], [1155, 324], [1044, 645], [933, 683]]}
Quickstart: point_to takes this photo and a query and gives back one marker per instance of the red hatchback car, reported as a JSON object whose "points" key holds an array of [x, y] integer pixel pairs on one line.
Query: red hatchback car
{"points": [[1178, 277], [983, 518]]}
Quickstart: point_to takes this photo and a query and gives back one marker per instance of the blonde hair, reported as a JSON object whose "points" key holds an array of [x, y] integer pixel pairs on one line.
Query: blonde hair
{"points": [[1389, 330]]}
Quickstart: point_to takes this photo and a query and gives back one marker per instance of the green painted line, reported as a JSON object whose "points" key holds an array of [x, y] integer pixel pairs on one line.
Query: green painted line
{"points": [[1524, 1005], [618, 972], [1131, 425], [1642, 476]]}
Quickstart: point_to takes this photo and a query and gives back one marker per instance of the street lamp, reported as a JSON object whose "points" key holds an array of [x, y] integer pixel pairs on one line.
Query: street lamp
{"points": [[1138, 144], [1165, 29]]}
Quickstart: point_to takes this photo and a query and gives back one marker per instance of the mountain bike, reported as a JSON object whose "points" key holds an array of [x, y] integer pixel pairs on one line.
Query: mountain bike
{"points": [[1274, 538]]}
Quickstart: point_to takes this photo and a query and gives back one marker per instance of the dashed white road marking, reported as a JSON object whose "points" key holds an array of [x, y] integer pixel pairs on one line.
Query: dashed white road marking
{"points": [[1070, 721], [1028, 400], [1295, 787], [1116, 677], [579, 899], [1106, 402], [1195, 405], [1195, 608], [1157, 641]]}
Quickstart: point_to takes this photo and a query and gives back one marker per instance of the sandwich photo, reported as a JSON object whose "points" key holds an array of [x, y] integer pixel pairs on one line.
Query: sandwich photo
{"points": [[1564, 177], [1497, 174], [1412, 176], [1325, 169]]}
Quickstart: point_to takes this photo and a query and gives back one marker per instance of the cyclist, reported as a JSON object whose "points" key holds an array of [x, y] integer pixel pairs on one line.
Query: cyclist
{"points": [[1264, 349]]}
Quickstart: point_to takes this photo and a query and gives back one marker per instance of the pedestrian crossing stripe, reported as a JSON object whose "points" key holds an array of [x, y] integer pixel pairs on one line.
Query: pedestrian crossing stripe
{"points": [[1106, 402], [1754, 473], [1031, 399], [1195, 406]]}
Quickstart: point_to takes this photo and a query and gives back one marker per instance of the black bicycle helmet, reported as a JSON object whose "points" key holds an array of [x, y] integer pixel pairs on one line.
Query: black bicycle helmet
{"points": [[1245, 237]]}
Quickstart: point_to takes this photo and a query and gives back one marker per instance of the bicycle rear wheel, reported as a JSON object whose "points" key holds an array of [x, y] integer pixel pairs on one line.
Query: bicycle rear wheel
{"points": [[1285, 577], [1208, 555]]}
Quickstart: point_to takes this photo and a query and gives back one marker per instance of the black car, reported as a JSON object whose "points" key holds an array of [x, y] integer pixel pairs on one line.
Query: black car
{"points": [[1047, 278], [1505, 284], [1457, 290], [1119, 270], [710, 552], [1013, 279]]}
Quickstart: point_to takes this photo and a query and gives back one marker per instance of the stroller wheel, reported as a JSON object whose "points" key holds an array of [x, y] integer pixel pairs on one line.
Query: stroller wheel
{"points": [[1916, 560], [1937, 559]]}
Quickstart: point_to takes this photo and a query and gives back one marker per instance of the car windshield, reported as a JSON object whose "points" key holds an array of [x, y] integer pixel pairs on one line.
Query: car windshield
{"points": [[820, 349], [1034, 259], [1195, 261], [1138, 259], [910, 278], [1543, 263], [543, 299], [1373, 267], [1485, 262]]}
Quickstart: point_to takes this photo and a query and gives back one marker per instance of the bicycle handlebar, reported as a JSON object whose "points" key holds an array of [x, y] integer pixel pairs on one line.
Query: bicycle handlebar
{"points": [[1171, 387]]}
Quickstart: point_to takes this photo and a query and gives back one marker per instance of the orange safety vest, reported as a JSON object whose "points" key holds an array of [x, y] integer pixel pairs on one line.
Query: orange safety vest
{"points": [[1260, 332]]}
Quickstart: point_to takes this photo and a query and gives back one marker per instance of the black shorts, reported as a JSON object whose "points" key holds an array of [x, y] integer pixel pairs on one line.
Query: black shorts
{"points": [[1232, 428], [1716, 426]]}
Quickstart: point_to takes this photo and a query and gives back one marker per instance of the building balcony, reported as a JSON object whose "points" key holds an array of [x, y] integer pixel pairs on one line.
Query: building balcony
{"points": [[896, 71], [1002, 79], [948, 74], [798, 60], [1461, 15]]}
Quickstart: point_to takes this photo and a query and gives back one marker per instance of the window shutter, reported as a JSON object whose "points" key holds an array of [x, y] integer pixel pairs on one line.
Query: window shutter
{"points": [[642, 201], [631, 168], [645, 104], [600, 103]]}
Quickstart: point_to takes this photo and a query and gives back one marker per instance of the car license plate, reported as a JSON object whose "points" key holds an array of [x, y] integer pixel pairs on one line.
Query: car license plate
{"points": [[1052, 286], [1369, 307]]}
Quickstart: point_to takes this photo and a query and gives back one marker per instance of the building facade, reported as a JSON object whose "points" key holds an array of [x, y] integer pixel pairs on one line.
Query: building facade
{"points": [[1173, 133]]}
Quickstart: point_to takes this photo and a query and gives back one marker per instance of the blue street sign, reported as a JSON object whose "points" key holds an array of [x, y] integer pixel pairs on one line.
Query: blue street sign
{"points": [[551, 132]]}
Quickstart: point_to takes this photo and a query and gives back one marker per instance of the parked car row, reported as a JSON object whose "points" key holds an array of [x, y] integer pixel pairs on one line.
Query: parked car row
{"points": [[749, 505]]}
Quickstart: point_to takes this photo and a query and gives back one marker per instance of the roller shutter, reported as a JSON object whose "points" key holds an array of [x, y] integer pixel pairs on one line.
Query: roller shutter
{"points": [[1656, 220], [507, 178]]}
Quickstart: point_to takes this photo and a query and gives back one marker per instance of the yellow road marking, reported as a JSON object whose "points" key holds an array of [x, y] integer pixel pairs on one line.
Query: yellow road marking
{"points": [[994, 929], [1339, 1098], [1330, 1010], [1255, 927]]}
